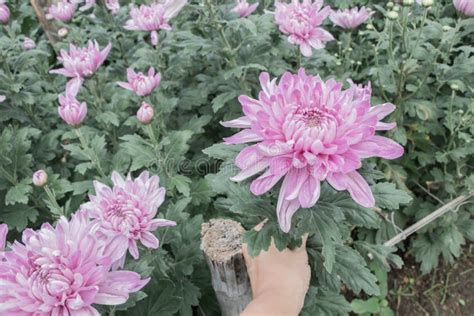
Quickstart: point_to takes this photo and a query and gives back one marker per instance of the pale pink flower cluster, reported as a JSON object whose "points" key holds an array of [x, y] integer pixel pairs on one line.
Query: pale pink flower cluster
{"points": [[464, 6], [141, 84], [243, 8], [62, 10], [350, 18], [129, 209], [4, 12], [302, 21], [70, 109], [154, 17], [63, 270], [305, 131], [82, 62]]}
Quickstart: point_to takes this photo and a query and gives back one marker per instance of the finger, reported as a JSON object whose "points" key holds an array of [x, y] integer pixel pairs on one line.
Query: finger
{"points": [[260, 225]]}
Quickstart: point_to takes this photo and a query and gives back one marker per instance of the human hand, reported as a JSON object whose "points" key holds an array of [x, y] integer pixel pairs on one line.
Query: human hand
{"points": [[279, 280]]}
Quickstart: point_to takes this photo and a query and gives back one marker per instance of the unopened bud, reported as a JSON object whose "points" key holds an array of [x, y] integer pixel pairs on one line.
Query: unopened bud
{"points": [[454, 87], [40, 178], [408, 2], [446, 28], [28, 43], [390, 4], [62, 32], [427, 3], [392, 15], [145, 113]]}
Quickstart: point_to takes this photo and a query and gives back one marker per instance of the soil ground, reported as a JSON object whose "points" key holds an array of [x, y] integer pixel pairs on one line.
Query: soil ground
{"points": [[449, 290]]}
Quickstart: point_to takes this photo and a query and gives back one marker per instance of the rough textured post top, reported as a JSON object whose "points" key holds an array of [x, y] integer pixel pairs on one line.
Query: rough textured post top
{"points": [[221, 239]]}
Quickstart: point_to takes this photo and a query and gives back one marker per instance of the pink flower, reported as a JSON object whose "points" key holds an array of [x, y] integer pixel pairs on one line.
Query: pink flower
{"points": [[145, 113], [40, 178], [243, 8], [3, 237], [301, 20], [154, 17], [63, 10], [28, 44], [87, 4], [4, 12], [350, 18], [141, 84], [464, 6], [129, 209], [64, 270], [112, 5], [306, 131], [70, 110], [82, 62]]}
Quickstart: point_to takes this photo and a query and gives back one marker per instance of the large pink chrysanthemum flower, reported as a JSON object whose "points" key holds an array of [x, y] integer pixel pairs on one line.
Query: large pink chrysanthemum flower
{"points": [[129, 209], [154, 17], [82, 62], [350, 18], [301, 21], [464, 6], [308, 130], [63, 270]]}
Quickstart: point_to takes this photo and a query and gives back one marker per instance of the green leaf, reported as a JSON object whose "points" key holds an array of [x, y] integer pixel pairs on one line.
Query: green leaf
{"points": [[323, 302], [219, 101], [389, 197], [19, 193], [371, 306], [322, 220], [181, 183], [351, 268], [18, 216]]}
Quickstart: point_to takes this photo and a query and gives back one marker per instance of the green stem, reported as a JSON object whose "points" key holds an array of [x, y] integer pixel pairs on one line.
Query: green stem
{"points": [[52, 199], [228, 47], [152, 136], [425, 14], [8, 176], [85, 146]]}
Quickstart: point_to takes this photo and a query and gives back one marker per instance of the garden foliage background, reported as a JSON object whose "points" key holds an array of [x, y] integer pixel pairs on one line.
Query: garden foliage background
{"points": [[422, 61]]}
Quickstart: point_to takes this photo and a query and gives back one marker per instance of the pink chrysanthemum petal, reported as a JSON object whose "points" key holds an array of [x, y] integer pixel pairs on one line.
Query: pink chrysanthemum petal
{"points": [[306, 130]]}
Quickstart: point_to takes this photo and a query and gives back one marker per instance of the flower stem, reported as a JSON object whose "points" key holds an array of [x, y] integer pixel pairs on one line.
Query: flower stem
{"points": [[52, 199], [93, 158]]}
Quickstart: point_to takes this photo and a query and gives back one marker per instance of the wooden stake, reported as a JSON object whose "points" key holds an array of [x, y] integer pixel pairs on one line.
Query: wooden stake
{"points": [[45, 24], [221, 243]]}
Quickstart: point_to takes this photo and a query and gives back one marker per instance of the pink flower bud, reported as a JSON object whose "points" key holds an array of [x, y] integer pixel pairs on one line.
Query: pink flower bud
{"points": [[2, 98], [145, 113], [4, 13], [71, 110], [243, 8], [62, 32], [28, 44], [141, 84], [40, 178]]}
